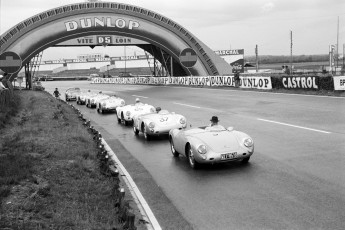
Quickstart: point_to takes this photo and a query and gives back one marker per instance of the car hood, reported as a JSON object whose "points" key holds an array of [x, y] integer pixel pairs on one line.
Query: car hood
{"points": [[218, 141], [163, 119]]}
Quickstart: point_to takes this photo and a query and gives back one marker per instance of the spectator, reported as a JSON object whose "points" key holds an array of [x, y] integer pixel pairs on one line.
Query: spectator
{"points": [[56, 93]]}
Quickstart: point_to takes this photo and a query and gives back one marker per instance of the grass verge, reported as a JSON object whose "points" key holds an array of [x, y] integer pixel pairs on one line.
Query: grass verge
{"points": [[49, 173]]}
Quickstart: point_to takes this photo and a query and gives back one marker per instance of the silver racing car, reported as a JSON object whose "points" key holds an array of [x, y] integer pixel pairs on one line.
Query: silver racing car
{"points": [[208, 145]]}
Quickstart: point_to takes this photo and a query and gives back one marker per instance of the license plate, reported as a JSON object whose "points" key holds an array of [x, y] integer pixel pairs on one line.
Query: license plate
{"points": [[228, 156]]}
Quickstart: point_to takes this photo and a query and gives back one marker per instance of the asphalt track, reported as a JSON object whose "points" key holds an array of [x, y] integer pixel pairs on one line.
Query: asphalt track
{"points": [[294, 180]]}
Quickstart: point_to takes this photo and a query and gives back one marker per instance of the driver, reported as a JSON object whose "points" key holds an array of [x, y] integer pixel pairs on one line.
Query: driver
{"points": [[138, 102], [214, 124]]}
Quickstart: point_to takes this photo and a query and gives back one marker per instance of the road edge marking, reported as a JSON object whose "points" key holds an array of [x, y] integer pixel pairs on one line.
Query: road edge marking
{"points": [[192, 106], [133, 188], [139, 96], [295, 126]]}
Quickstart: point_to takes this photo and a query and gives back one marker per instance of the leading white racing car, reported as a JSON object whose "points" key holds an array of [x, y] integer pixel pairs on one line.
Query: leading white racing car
{"points": [[158, 123], [207, 145]]}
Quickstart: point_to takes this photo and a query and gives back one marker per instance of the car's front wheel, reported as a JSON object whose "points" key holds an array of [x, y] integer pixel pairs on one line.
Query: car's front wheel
{"points": [[245, 160], [135, 130], [172, 147], [146, 135], [190, 155]]}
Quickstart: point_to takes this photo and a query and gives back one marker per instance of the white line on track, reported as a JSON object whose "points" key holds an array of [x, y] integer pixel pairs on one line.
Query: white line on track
{"points": [[192, 106], [139, 96], [295, 126]]}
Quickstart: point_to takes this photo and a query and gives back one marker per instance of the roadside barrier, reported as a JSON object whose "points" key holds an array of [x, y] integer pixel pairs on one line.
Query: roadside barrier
{"points": [[246, 81]]}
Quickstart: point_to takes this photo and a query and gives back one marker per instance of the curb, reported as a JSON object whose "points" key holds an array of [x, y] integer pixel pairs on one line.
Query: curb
{"points": [[148, 216]]}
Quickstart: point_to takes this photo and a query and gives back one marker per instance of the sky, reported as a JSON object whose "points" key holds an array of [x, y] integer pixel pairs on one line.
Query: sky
{"points": [[220, 24]]}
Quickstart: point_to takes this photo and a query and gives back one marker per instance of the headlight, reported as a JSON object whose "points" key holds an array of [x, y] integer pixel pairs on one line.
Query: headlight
{"points": [[128, 113], [92, 100], [151, 125], [122, 102], [104, 104], [248, 142], [202, 149], [183, 120]]}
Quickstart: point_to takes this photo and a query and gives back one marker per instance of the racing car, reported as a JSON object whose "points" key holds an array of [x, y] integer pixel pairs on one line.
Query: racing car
{"points": [[92, 101], [158, 123], [126, 113], [109, 104], [72, 93], [83, 96], [205, 145]]}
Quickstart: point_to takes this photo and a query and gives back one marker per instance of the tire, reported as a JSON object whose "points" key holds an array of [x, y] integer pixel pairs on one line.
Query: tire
{"points": [[146, 135], [191, 160], [172, 148], [126, 123], [245, 160], [136, 131]]}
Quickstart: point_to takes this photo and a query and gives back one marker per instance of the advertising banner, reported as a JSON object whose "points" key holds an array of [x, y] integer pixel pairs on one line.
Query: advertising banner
{"points": [[339, 83], [301, 82], [256, 82], [234, 58], [213, 81], [101, 40]]}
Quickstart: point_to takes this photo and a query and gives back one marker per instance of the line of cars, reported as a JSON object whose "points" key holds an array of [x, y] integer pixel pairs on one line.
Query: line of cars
{"points": [[201, 145]]}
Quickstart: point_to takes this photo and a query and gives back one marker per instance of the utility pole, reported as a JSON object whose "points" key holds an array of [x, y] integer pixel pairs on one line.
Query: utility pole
{"points": [[256, 58], [125, 61], [343, 56], [291, 51], [337, 57]]}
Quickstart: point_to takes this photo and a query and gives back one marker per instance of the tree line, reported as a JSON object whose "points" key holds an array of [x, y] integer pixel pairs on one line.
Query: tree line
{"points": [[269, 59]]}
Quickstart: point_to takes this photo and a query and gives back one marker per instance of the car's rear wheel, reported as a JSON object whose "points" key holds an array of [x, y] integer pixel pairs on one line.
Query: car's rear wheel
{"points": [[146, 135], [135, 130], [172, 147], [245, 160], [190, 155]]}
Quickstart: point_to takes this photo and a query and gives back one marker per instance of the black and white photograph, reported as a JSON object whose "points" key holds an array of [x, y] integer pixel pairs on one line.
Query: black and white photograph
{"points": [[172, 115]]}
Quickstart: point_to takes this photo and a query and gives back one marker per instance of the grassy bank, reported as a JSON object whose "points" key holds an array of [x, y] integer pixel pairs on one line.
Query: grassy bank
{"points": [[49, 174]]}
